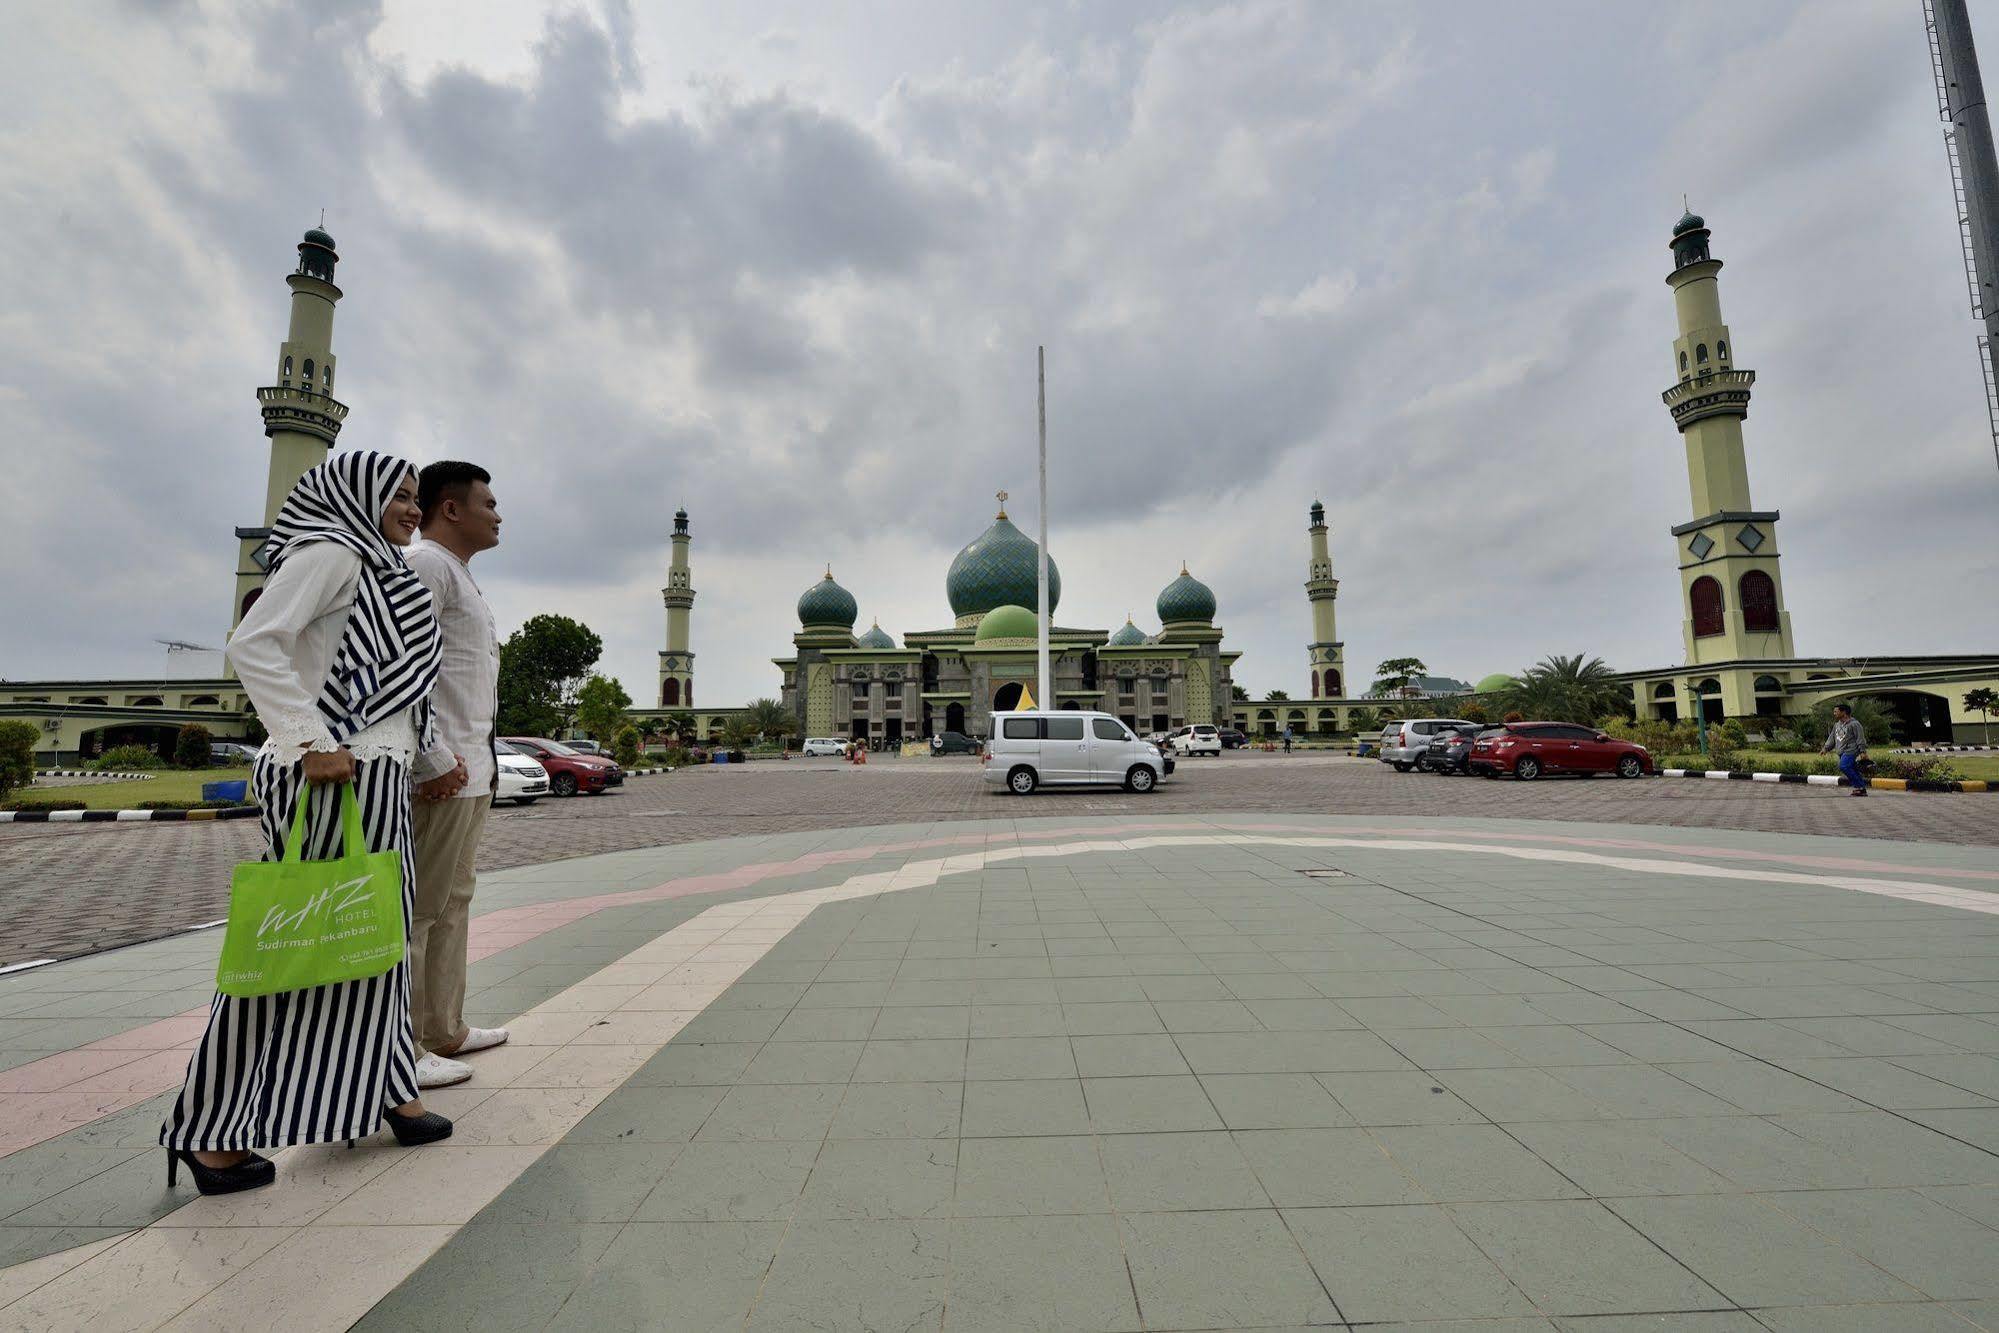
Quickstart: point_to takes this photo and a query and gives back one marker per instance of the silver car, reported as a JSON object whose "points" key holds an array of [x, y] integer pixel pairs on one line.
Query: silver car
{"points": [[1405, 743]]}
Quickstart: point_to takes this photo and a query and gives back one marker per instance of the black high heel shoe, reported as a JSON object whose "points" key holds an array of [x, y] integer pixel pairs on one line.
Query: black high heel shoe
{"points": [[253, 1172], [415, 1130]]}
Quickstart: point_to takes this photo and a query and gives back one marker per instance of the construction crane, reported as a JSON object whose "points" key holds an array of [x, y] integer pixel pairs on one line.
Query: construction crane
{"points": [[1974, 178]]}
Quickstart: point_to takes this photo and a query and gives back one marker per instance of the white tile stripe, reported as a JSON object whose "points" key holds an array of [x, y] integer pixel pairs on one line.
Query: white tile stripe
{"points": [[236, 1260]]}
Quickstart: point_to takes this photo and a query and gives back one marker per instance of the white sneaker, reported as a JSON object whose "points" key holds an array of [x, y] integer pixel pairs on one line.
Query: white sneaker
{"points": [[435, 1071], [481, 1039]]}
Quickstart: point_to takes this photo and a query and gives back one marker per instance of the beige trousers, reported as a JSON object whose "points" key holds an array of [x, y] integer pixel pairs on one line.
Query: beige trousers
{"points": [[447, 849]]}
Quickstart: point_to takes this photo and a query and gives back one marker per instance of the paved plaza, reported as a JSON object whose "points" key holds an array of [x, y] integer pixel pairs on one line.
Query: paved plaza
{"points": [[69, 889], [1133, 1070]]}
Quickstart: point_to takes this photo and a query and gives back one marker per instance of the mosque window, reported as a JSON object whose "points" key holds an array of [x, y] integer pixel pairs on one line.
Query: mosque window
{"points": [[669, 695], [1700, 354], [1663, 690], [1759, 601], [1315, 684], [1720, 350], [1705, 598], [204, 701], [1333, 685], [1769, 685], [288, 369], [305, 378], [326, 378], [1683, 363]]}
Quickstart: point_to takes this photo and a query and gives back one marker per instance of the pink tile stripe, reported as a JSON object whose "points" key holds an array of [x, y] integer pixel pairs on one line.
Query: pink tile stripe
{"points": [[50, 1096]]}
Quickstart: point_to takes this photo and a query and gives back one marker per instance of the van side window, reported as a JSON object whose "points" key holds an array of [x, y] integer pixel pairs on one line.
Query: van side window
{"points": [[1021, 728], [1063, 728], [1109, 729]]}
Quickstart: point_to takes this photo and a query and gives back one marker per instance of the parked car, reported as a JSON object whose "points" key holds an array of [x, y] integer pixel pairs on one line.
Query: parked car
{"points": [[522, 781], [588, 747], [231, 752], [1404, 744], [569, 771], [953, 742], [1033, 749], [1450, 751], [831, 746], [1233, 739], [1201, 738], [1529, 750]]}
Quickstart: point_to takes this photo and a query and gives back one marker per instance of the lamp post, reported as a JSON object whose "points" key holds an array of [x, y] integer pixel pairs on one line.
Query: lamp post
{"points": [[1700, 710]]}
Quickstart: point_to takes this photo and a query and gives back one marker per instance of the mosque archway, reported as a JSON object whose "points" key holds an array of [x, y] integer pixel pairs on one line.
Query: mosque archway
{"points": [[1007, 697], [954, 718]]}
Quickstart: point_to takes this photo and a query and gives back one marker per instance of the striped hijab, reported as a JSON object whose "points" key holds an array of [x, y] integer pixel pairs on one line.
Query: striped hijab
{"points": [[390, 650]]}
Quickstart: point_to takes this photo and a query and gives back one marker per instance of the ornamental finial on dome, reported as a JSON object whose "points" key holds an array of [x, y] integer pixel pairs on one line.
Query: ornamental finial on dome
{"points": [[1001, 495]]}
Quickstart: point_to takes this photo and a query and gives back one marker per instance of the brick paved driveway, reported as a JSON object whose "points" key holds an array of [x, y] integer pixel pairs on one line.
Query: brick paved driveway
{"points": [[75, 889]]}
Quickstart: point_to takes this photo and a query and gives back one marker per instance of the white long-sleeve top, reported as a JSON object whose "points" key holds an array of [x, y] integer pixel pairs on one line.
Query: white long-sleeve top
{"points": [[284, 650], [466, 699]]}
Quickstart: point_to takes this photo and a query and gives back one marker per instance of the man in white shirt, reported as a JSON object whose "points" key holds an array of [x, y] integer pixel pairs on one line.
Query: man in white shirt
{"points": [[455, 779]]}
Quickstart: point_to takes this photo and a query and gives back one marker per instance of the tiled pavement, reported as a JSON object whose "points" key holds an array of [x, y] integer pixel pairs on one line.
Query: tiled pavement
{"points": [[1112, 1074], [70, 889]]}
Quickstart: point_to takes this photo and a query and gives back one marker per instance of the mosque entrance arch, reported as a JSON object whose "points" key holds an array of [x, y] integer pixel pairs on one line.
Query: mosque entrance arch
{"points": [[1007, 697], [954, 718]]}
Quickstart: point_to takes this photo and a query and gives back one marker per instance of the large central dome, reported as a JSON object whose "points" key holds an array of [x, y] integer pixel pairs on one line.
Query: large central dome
{"points": [[999, 569]]}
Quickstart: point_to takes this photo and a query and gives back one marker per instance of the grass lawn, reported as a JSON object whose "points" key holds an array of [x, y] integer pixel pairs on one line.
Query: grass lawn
{"points": [[1981, 766], [166, 784]]}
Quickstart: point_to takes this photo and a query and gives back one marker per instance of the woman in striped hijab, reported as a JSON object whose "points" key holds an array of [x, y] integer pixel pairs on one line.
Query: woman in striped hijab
{"points": [[339, 655]]}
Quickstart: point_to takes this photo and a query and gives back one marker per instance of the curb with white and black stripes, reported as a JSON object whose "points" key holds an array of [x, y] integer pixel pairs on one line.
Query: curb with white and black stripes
{"points": [[1946, 749], [92, 773], [127, 816], [1828, 780]]}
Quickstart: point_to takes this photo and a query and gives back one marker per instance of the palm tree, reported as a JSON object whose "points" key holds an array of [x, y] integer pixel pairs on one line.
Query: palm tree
{"points": [[770, 719], [738, 732], [1984, 700], [1567, 689]]}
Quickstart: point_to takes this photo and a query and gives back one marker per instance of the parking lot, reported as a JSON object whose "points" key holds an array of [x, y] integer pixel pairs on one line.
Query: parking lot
{"points": [[67, 889]]}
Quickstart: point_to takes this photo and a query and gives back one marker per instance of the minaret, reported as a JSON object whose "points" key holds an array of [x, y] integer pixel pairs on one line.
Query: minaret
{"points": [[301, 416], [676, 664], [1328, 654], [1731, 591]]}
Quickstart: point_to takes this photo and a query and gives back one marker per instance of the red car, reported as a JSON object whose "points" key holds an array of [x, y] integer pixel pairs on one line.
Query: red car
{"points": [[569, 771], [1529, 750]]}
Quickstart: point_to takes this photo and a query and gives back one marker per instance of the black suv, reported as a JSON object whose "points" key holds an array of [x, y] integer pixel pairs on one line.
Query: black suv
{"points": [[1450, 751], [1233, 739], [953, 742]]}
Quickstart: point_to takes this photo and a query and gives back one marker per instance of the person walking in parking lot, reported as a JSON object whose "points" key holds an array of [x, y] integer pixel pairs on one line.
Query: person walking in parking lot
{"points": [[1848, 740], [456, 776], [1287, 738]]}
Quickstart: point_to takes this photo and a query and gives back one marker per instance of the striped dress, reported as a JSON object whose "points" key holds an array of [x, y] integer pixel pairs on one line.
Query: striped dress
{"points": [[341, 649], [318, 1065]]}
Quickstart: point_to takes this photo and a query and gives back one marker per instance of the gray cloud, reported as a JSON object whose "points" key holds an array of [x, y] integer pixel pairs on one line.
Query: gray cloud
{"points": [[1276, 251]]}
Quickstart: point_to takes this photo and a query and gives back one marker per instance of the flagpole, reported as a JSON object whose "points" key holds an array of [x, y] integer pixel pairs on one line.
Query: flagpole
{"points": [[1041, 654]]}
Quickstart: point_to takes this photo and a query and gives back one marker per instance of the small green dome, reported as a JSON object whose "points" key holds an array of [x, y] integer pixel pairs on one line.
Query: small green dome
{"points": [[827, 605], [315, 236], [1008, 622], [1492, 684], [1185, 598], [1001, 568], [1689, 221], [876, 637], [1127, 634]]}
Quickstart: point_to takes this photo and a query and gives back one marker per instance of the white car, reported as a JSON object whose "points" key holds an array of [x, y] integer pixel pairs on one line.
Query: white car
{"points": [[522, 780], [1030, 749], [823, 745], [1201, 738]]}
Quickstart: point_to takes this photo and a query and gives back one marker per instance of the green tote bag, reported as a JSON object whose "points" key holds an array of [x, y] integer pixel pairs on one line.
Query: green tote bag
{"points": [[294, 923]]}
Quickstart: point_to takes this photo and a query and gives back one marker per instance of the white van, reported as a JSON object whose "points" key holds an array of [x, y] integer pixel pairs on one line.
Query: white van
{"points": [[823, 745], [1030, 749]]}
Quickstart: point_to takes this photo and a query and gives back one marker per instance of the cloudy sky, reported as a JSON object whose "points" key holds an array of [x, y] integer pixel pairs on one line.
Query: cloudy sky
{"points": [[787, 265]]}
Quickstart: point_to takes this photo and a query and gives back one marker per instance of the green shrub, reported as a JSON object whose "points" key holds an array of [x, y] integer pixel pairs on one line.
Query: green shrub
{"points": [[121, 757], [625, 745], [191, 747], [190, 805], [17, 754], [1914, 769], [42, 805], [1783, 738]]}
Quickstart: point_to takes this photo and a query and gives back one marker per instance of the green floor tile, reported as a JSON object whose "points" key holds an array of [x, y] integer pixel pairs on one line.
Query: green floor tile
{"points": [[878, 1179], [695, 1275], [730, 1182], [1755, 1254], [1304, 1168], [1577, 1257], [1038, 1273], [877, 1275], [1221, 1271], [1402, 1263]]}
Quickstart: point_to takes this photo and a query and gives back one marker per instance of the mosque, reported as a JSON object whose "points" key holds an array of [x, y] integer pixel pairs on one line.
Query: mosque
{"points": [[954, 678], [1739, 659]]}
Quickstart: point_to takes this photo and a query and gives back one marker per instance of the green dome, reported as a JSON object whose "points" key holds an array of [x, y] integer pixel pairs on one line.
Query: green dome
{"points": [[1009, 622], [1185, 598], [876, 637], [1001, 568], [315, 236], [1127, 634], [827, 605], [1689, 221], [1492, 684]]}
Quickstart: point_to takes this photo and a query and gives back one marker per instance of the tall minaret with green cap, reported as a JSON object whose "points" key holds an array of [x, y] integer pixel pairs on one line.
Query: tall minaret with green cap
{"points": [[1328, 654], [301, 416], [1731, 592], [676, 663]]}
